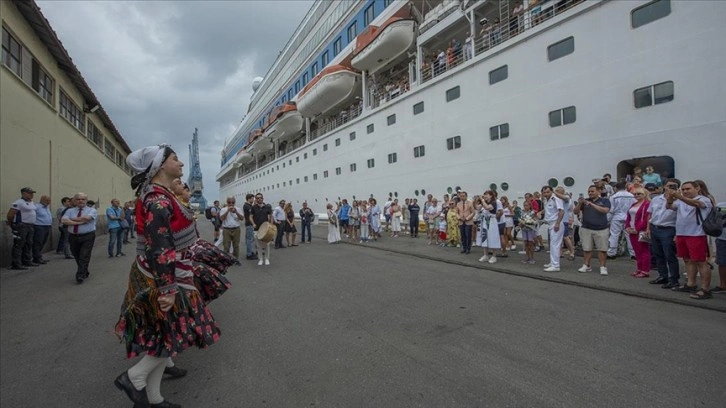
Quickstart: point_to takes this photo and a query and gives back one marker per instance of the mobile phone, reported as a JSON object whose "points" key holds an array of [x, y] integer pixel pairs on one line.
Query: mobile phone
{"points": [[582, 195]]}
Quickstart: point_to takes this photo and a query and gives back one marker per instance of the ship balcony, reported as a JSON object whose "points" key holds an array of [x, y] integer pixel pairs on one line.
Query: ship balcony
{"points": [[329, 123]]}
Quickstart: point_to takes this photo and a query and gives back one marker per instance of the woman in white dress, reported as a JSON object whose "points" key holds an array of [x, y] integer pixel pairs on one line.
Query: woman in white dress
{"points": [[374, 218], [396, 215], [487, 237], [333, 231]]}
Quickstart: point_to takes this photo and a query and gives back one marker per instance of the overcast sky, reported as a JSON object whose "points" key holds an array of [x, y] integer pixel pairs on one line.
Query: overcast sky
{"points": [[160, 69]]}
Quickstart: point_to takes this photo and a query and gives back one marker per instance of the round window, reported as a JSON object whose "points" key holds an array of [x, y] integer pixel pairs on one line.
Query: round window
{"points": [[458, 188], [416, 192], [552, 182], [423, 192], [493, 187], [395, 194], [505, 186], [569, 181], [353, 197]]}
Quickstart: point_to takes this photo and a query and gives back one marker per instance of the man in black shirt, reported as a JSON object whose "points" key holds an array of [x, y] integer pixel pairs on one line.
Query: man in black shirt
{"points": [[595, 228], [414, 210], [259, 214], [307, 217], [249, 228]]}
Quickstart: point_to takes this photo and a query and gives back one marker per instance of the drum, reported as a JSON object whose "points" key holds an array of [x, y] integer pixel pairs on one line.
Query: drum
{"points": [[267, 232]]}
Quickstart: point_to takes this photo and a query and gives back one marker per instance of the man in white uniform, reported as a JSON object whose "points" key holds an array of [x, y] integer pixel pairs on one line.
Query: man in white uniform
{"points": [[554, 214], [621, 202]]}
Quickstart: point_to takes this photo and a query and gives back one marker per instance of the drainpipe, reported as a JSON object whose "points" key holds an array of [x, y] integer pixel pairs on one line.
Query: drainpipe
{"points": [[364, 84]]}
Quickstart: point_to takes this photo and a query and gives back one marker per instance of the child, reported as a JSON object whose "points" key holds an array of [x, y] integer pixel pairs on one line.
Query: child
{"points": [[442, 232], [363, 222], [528, 223]]}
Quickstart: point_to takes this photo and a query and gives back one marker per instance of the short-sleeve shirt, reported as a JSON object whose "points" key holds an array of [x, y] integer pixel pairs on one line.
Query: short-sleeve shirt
{"points": [[232, 220], [593, 219], [552, 207], [260, 214], [660, 215], [74, 212], [722, 206], [246, 210], [686, 223], [26, 211]]}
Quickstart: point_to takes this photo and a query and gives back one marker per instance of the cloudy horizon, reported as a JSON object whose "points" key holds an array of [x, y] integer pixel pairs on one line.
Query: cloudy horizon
{"points": [[162, 69]]}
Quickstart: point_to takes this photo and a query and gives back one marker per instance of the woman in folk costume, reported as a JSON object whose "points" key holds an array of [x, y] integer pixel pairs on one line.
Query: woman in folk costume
{"points": [[163, 312]]}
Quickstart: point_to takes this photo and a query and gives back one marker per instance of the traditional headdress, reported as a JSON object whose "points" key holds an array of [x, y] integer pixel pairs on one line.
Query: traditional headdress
{"points": [[147, 162]]}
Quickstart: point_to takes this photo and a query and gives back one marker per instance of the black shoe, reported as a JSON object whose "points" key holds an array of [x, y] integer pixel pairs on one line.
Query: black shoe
{"points": [[175, 372], [110, 256], [33, 264], [463, 251], [658, 281], [79, 278], [41, 262], [165, 404], [124, 384], [70, 257], [632, 258], [19, 268], [685, 288], [670, 285], [238, 263], [718, 289], [611, 257]]}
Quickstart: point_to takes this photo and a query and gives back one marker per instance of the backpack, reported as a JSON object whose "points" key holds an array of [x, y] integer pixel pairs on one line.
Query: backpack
{"points": [[713, 223], [208, 213]]}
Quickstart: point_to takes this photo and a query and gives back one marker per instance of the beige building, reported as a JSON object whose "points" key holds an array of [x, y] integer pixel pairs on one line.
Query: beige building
{"points": [[54, 134]]}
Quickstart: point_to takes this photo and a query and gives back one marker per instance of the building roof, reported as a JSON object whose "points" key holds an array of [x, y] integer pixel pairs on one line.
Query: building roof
{"points": [[31, 12]]}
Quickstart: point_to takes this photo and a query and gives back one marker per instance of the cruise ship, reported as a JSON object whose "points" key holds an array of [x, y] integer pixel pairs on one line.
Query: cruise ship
{"points": [[376, 98]]}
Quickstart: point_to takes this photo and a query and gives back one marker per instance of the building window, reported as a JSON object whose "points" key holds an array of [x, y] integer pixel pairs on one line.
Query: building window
{"points": [[338, 171], [650, 12], [453, 93], [371, 163], [352, 31], [325, 147], [498, 75], [561, 48], [94, 135], [352, 167], [419, 151], [453, 143], [12, 53], [499, 131], [653, 95], [315, 176], [392, 158], [391, 119], [305, 79], [418, 108], [564, 116], [72, 113], [325, 174], [370, 128], [42, 82], [352, 136], [305, 156], [315, 152], [110, 150], [297, 87], [325, 59], [315, 68], [119, 158], [305, 179], [336, 47], [337, 142], [368, 17]]}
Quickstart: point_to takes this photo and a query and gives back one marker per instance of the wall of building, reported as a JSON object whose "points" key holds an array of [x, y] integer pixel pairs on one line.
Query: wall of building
{"points": [[40, 148]]}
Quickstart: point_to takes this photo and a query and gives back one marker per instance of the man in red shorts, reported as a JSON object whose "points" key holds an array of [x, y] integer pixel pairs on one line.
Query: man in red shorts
{"points": [[691, 241]]}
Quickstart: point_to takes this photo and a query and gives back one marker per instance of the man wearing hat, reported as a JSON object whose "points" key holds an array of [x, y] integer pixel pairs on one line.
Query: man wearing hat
{"points": [[21, 219]]}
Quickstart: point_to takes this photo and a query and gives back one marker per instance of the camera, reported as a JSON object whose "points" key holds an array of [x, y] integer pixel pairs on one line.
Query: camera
{"points": [[483, 21]]}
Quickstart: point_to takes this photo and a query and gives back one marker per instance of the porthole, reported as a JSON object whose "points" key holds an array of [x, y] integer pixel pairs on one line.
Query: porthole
{"points": [[371, 195], [395, 194], [569, 181], [505, 186], [423, 192], [493, 186], [390, 194], [552, 182], [416, 192], [458, 188], [449, 190], [353, 197]]}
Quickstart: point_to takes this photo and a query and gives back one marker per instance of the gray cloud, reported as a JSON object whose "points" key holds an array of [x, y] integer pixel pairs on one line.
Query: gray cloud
{"points": [[161, 69]]}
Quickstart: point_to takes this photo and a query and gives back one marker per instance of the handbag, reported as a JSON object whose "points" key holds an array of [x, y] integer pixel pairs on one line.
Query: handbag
{"points": [[643, 237], [124, 224]]}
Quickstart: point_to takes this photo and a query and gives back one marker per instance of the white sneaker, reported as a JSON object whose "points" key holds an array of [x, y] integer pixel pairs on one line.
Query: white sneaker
{"points": [[514, 246], [547, 265], [483, 258], [522, 252], [493, 260], [584, 269], [260, 262], [267, 261], [603, 271], [552, 269]]}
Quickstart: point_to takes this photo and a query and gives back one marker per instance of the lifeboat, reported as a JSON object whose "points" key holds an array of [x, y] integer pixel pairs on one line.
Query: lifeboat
{"points": [[254, 137], [334, 87], [377, 46], [285, 122], [243, 156], [227, 169]]}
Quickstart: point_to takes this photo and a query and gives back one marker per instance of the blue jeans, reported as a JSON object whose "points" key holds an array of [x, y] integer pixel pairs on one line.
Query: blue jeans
{"points": [[663, 248], [250, 240], [115, 237], [465, 232], [306, 227]]}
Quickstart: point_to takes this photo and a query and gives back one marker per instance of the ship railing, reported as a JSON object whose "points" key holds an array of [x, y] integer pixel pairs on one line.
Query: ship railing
{"points": [[331, 123], [494, 35]]}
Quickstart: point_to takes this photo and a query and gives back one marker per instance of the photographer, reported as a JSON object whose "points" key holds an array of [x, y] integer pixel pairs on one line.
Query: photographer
{"points": [[594, 229], [231, 216], [662, 233]]}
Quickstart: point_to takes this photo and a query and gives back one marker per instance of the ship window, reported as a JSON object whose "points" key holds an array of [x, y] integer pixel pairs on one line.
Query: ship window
{"points": [[371, 163], [337, 171], [561, 48], [325, 174], [387, 3], [337, 142], [370, 128], [315, 68], [650, 12], [392, 158], [297, 159], [290, 162], [284, 183], [391, 119], [325, 59], [453, 143], [564, 116], [297, 87], [453, 93], [419, 151], [352, 135], [305, 79], [653, 95], [336, 47], [305, 179], [499, 131], [418, 108], [305, 156], [498, 75], [315, 176], [352, 167], [289, 94], [325, 147], [315, 152], [352, 31], [368, 17], [297, 181]]}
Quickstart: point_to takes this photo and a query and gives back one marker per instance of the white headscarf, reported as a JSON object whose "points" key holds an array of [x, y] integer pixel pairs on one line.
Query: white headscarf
{"points": [[147, 162]]}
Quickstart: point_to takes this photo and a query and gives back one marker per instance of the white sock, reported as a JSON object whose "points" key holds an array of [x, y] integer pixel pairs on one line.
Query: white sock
{"points": [[153, 383], [169, 362], [139, 373]]}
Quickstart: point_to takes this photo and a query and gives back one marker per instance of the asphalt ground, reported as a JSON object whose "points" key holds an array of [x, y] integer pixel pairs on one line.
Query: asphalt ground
{"points": [[372, 326]]}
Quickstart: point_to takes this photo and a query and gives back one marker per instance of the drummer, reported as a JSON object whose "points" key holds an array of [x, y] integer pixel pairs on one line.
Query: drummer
{"points": [[259, 214]]}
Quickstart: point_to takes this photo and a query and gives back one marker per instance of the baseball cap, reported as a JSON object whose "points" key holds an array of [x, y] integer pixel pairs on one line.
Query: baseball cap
{"points": [[27, 190]]}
